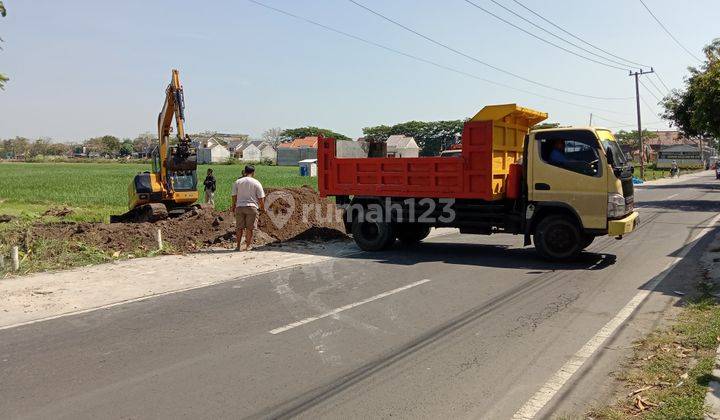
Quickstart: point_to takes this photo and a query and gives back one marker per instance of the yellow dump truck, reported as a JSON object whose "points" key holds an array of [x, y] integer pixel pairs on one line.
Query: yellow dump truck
{"points": [[563, 187]]}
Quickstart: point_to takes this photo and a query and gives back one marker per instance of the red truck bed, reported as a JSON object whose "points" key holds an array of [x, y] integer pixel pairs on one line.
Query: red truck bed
{"points": [[491, 142]]}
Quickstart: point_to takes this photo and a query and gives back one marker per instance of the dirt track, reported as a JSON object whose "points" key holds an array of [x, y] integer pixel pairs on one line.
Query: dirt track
{"points": [[292, 214]]}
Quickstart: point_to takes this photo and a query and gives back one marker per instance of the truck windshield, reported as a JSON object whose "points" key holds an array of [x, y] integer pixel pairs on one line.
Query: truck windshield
{"points": [[615, 156]]}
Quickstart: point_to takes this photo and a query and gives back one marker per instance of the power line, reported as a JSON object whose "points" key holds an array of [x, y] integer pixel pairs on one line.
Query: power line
{"points": [[662, 81], [668, 32], [539, 37], [423, 60], [577, 37], [649, 80], [555, 35], [477, 60], [649, 91]]}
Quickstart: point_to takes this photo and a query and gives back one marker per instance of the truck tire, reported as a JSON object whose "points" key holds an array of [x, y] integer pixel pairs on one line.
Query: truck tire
{"points": [[557, 238], [411, 234], [586, 240], [372, 236]]}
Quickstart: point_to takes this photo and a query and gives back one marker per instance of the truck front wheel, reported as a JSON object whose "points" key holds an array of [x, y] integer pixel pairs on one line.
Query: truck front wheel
{"points": [[372, 236], [411, 234], [557, 238]]}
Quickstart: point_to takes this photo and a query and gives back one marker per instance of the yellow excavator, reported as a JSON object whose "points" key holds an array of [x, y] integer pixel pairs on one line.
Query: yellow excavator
{"points": [[170, 189]]}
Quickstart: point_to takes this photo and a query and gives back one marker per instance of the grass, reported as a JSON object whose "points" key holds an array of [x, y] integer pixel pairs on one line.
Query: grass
{"points": [[671, 367], [95, 190]]}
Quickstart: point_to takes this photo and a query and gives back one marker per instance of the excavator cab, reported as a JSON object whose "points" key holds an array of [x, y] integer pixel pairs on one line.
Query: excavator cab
{"points": [[170, 189]]}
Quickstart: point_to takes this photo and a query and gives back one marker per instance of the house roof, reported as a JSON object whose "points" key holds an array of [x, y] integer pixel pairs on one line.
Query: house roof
{"points": [[235, 144], [401, 141], [310, 141], [256, 143]]}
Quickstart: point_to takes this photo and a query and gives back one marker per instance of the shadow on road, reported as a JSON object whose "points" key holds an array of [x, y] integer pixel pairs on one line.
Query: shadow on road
{"points": [[482, 255], [681, 186], [683, 205]]}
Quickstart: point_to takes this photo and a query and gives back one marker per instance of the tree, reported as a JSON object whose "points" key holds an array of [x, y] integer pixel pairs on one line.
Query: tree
{"points": [[294, 133], [17, 146], [39, 147], [695, 110], [126, 148], [377, 133], [3, 78], [273, 136], [105, 145], [630, 138], [144, 142]]}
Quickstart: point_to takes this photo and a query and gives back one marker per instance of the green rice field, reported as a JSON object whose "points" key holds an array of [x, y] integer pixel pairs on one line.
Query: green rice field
{"points": [[95, 190]]}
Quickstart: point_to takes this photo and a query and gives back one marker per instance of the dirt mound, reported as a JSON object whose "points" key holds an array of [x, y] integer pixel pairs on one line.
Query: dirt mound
{"points": [[58, 211], [293, 213], [5, 218]]}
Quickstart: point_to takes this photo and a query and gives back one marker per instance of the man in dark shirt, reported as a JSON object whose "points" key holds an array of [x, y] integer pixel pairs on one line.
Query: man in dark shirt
{"points": [[209, 188]]}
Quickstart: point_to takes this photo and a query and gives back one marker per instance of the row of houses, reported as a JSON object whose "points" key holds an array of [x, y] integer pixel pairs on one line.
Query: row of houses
{"points": [[218, 148]]}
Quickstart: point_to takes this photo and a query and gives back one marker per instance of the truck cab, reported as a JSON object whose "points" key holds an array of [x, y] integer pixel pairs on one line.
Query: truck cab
{"points": [[580, 175]]}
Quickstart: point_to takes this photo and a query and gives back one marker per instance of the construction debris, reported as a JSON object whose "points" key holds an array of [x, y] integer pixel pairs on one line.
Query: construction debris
{"points": [[304, 216]]}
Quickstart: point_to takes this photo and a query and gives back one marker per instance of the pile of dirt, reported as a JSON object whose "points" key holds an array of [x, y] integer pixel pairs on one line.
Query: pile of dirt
{"points": [[5, 218], [296, 213], [58, 211]]}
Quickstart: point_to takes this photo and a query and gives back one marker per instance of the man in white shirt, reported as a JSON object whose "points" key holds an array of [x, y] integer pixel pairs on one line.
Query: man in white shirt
{"points": [[247, 201]]}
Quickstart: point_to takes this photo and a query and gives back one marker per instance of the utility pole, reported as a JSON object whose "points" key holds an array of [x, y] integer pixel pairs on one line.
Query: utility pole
{"points": [[637, 74], [590, 120]]}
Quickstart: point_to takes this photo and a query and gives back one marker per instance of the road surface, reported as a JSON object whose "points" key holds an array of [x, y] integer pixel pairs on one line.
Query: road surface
{"points": [[462, 326]]}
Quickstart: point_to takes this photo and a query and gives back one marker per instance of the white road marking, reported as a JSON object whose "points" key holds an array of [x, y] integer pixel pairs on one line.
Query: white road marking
{"points": [[672, 196], [346, 307], [536, 403]]}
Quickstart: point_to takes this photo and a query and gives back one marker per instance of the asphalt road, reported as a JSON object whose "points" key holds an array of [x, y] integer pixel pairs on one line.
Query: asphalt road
{"points": [[462, 326]]}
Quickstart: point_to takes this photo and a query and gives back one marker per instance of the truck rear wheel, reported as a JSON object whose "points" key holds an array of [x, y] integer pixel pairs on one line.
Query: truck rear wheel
{"points": [[411, 234], [557, 238], [372, 236]]}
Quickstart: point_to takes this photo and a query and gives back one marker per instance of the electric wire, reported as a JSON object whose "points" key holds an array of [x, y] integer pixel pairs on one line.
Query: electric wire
{"points": [[662, 82], [667, 31], [557, 36], [430, 62], [648, 90], [477, 60], [539, 37], [577, 37], [649, 80]]}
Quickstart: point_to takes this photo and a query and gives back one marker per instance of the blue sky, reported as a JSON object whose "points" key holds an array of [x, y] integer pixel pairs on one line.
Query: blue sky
{"points": [[82, 68]]}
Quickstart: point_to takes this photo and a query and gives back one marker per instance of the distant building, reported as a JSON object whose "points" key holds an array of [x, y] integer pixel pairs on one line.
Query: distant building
{"points": [[402, 146], [212, 151], [290, 153], [685, 155], [258, 150]]}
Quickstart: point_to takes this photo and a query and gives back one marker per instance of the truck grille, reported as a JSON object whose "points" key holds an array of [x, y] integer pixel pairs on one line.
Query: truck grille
{"points": [[629, 193]]}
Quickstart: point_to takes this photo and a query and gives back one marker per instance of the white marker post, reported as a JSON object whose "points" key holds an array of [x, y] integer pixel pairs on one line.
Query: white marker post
{"points": [[158, 238], [15, 259]]}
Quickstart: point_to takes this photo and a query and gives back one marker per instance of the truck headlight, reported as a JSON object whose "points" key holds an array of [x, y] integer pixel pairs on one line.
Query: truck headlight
{"points": [[616, 205]]}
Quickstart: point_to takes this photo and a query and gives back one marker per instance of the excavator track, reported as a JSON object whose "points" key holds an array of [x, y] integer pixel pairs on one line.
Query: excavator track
{"points": [[151, 213]]}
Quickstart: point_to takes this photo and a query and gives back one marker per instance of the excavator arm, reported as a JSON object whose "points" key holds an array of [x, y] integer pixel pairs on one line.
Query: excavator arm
{"points": [[180, 156]]}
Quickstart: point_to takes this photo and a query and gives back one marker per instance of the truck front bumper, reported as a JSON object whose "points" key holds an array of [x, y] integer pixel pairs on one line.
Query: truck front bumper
{"points": [[623, 226]]}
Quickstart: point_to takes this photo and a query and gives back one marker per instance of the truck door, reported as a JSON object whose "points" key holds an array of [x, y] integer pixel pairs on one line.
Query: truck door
{"points": [[567, 167]]}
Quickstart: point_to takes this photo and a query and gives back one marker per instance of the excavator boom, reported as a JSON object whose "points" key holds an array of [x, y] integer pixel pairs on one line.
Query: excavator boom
{"points": [[171, 188]]}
